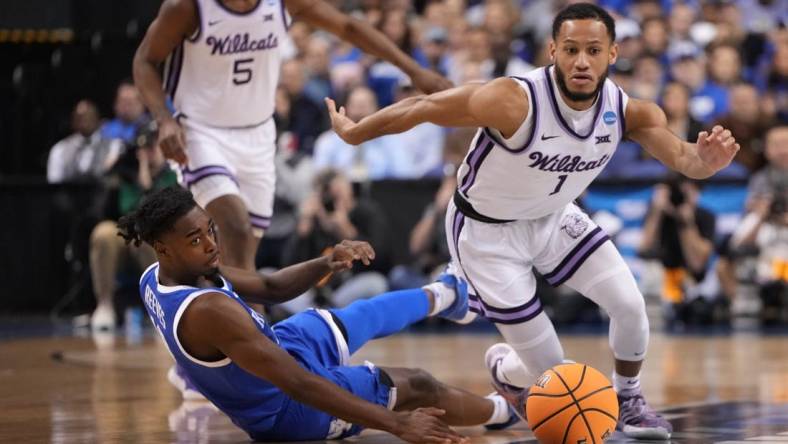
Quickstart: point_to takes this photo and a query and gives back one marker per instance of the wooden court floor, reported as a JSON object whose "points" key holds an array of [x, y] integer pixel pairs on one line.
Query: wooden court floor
{"points": [[718, 389]]}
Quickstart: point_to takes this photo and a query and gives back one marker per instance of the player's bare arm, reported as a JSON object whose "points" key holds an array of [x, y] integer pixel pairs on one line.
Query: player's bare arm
{"points": [[294, 280], [323, 15], [500, 104], [177, 19], [214, 326], [647, 125]]}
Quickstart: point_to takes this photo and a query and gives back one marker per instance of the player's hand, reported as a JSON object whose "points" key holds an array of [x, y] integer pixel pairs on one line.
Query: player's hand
{"points": [[717, 150], [430, 81], [346, 252], [172, 140], [341, 123], [660, 201], [424, 426]]}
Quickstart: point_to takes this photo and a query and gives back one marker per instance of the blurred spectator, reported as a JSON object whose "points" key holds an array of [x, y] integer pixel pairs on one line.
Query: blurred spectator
{"points": [[139, 172], [422, 145], [129, 114], [675, 103], [725, 65], [760, 16], [679, 234], [427, 244], [747, 124], [317, 60], [384, 76], [630, 45], [372, 160], [649, 77], [682, 16], [306, 119], [655, 37], [776, 80], [85, 155], [330, 214], [688, 66], [434, 46]]}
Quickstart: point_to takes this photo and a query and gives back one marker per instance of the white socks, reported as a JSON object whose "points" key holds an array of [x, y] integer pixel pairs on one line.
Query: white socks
{"points": [[501, 410], [626, 382], [443, 296]]}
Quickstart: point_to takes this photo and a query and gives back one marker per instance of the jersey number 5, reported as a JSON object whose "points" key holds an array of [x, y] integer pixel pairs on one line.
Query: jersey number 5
{"points": [[241, 74]]}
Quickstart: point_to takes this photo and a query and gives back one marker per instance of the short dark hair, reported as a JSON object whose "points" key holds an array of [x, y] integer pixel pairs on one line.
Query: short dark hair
{"points": [[579, 11], [156, 215]]}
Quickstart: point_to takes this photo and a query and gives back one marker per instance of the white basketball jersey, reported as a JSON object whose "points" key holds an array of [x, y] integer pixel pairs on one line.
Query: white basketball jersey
{"points": [[225, 75], [546, 164]]}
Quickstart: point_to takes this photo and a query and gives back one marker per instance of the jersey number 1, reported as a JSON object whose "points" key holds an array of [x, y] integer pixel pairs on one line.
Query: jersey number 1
{"points": [[561, 180], [241, 74]]}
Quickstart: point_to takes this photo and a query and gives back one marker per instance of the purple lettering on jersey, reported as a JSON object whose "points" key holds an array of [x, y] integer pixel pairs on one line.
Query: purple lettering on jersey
{"points": [[240, 43], [564, 164]]}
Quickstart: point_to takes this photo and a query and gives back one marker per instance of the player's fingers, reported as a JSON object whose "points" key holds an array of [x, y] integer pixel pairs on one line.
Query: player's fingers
{"points": [[717, 129], [432, 411], [330, 105], [342, 110], [724, 135]]}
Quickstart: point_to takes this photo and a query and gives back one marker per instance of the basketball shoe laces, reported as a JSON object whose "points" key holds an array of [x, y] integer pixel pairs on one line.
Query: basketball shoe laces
{"points": [[636, 412]]}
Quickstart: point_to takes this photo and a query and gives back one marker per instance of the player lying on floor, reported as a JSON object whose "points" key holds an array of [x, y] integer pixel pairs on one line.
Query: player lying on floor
{"points": [[292, 381]]}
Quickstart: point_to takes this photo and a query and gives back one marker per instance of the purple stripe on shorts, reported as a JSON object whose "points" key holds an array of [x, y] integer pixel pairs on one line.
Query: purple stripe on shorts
{"points": [[524, 313], [190, 179], [576, 258], [259, 221]]}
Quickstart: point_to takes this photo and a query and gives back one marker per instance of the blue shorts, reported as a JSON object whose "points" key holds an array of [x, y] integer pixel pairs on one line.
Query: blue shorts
{"points": [[313, 339]]}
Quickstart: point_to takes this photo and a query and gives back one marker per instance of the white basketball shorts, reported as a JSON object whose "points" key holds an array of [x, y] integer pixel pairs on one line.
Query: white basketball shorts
{"points": [[498, 260], [232, 161]]}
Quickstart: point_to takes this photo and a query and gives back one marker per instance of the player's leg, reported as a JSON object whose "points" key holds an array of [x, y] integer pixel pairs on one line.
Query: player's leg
{"points": [[605, 279], [106, 248], [417, 388]]}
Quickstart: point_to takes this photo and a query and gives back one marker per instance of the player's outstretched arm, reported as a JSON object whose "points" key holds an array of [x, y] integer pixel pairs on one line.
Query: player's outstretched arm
{"points": [[321, 14], [293, 281], [647, 125], [499, 104], [176, 20], [214, 325]]}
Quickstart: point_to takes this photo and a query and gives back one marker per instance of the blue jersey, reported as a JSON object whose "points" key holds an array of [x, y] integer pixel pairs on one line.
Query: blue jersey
{"points": [[251, 402], [258, 407]]}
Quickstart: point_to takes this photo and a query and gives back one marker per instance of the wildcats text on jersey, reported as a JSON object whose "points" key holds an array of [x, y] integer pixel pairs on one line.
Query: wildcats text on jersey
{"points": [[240, 43], [566, 163]]}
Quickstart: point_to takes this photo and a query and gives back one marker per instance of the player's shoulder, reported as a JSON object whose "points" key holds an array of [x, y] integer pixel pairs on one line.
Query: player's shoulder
{"points": [[182, 9]]}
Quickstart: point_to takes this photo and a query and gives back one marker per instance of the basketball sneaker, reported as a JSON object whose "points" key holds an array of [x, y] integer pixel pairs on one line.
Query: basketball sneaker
{"points": [[180, 381], [638, 420], [458, 310], [514, 395]]}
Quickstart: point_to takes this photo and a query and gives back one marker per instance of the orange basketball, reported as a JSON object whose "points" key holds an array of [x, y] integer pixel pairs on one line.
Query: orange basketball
{"points": [[572, 403]]}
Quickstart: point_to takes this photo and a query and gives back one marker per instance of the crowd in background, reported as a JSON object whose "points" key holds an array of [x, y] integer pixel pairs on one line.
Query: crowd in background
{"points": [[705, 62]]}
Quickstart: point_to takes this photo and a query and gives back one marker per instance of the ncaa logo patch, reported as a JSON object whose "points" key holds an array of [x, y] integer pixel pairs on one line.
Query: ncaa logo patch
{"points": [[609, 117]]}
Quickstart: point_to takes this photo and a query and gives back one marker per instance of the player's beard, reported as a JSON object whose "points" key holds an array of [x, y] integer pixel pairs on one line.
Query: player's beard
{"points": [[575, 96]]}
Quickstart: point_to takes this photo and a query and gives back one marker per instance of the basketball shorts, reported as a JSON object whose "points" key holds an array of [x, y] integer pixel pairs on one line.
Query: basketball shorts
{"points": [[232, 161], [316, 342], [498, 260]]}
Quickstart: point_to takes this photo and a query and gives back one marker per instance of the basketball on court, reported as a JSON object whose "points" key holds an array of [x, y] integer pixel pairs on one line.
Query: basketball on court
{"points": [[572, 403]]}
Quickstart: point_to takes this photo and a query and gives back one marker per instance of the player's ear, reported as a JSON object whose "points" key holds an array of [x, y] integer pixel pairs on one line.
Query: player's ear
{"points": [[551, 50], [613, 54], [160, 248]]}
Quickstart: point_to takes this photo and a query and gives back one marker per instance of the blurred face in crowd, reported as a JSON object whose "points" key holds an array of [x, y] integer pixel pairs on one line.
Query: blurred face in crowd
{"points": [[582, 53], [781, 60], [85, 118], [499, 17], [725, 65], [675, 100], [360, 103], [649, 70], [655, 36], [477, 42], [690, 71], [128, 104], [292, 77], [646, 9], [395, 26], [317, 56], [437, 14], [744, 98], [300, 34], [777, 147], [681, 18]]}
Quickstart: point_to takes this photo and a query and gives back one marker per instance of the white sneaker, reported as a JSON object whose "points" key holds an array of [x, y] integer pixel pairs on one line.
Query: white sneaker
{"points": [[515, 396], [103, 319], [188, 392]]}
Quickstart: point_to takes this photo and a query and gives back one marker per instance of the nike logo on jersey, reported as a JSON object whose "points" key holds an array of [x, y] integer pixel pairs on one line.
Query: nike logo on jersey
{"points": [[268, 18], [602, 139], [548, 137], [214, 22], [564, 163]]}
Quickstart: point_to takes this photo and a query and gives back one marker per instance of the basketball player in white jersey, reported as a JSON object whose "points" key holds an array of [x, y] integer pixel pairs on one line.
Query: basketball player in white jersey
{"points": [[223, 59], [542, 140]]}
